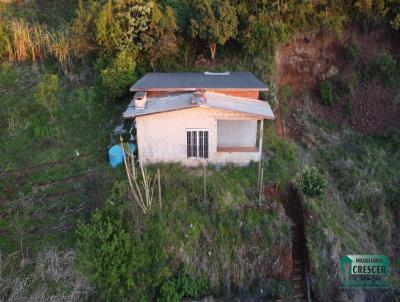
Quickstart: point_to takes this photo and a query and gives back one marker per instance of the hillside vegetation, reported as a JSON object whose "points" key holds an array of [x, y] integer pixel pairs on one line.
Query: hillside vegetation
{"points": [[70, 230]]}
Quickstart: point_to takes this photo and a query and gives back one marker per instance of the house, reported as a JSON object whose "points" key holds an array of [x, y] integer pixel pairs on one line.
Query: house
{"points": [[197, 118]]}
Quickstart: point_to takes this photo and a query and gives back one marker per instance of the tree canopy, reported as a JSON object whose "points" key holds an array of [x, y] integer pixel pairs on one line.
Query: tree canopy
{"points": [[170, 34], [214, 21]]}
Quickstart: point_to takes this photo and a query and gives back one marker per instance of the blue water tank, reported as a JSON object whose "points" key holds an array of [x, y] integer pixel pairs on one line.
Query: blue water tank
{"points": [[116, 156]]}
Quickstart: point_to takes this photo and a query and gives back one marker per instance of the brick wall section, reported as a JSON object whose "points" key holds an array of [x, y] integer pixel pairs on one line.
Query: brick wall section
{"points": [[250, 94]]}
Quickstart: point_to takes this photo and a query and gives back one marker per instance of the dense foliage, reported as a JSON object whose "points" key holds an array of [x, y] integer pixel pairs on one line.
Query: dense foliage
{"points": [[151, 33]]}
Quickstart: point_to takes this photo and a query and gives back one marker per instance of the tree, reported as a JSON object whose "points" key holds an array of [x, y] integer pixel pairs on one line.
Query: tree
{"points": [[263, 34], [160, 40], [214, 21], [112, 26], [108, 30], [120, 74], [83, 29], [47, 93], [133, 18]]}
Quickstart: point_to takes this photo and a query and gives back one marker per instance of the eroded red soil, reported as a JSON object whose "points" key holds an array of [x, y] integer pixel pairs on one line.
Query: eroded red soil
{"points": [[308, 59]]}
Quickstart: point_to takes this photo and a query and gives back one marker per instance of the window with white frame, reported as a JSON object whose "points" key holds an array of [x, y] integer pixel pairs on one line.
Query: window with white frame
{"points": [[197, 143]]}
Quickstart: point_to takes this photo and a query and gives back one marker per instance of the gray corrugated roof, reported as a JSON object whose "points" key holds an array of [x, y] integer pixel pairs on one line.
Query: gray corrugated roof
{"points": [[214, 100], [198, 80]]}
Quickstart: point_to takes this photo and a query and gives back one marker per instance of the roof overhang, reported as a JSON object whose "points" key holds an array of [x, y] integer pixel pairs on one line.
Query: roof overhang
{"points": [[157, 105]]}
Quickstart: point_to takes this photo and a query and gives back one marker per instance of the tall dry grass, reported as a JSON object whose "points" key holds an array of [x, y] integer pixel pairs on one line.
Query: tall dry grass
{"points": [[52, 279], [31, 42], [28, 42]]}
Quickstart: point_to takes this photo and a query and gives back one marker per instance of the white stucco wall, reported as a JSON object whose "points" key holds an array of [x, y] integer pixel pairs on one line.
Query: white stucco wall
{"points": [[236, 133], [162, 137]]}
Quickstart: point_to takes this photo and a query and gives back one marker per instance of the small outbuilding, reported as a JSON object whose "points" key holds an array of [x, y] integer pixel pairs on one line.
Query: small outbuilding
{"points": [[198, 118]]}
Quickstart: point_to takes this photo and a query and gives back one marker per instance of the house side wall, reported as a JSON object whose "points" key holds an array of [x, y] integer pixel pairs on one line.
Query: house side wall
{"points": [[162, 137], [250, 94]]}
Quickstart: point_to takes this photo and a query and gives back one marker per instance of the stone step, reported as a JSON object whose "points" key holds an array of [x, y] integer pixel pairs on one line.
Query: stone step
{"points": [[297, 277], [298, 295]]}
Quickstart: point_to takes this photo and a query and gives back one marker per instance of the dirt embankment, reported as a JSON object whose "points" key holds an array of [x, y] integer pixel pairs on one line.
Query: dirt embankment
{"points": [[311, 58]]}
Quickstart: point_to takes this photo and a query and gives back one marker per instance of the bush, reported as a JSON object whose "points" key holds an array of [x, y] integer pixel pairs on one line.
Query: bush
{"points": [[326, 93], [312, 183], [351, 52], [122, 264], [119, 75], [106, 254], [181, 286], [384, 68], [387, 70]]}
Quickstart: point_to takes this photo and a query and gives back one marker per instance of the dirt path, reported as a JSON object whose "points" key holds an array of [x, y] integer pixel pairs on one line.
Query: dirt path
{"points": [[294, 211]]}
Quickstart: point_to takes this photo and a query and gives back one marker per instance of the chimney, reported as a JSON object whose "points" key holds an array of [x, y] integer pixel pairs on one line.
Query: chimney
{"points": [[199, 97], [140, 99]]}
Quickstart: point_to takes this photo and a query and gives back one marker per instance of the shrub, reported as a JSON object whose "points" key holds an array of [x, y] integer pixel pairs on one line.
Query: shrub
{"points": [[384, 68], [181, 286], [119, 75], [351, 52], [312, 183], [387, 69], [326, 93], [47, 93], [106, 254], [123, 264]]}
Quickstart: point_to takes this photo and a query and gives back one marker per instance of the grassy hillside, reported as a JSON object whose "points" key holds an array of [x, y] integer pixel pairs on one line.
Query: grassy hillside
{"points": [[69, 228]]}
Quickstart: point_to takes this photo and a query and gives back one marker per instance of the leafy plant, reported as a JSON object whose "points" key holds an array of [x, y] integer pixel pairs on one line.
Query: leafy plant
{"points": [[312, 182], [183, 285], [326, 92], [47, 93]]}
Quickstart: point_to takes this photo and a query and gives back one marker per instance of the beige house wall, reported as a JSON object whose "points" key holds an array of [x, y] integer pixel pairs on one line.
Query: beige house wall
{"points": [[162, 137]]}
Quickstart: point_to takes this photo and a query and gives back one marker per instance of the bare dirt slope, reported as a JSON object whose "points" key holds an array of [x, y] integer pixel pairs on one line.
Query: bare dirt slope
{"points": [[311, 58]]}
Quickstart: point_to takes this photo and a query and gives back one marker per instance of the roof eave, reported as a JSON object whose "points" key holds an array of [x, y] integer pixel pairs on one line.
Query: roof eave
{"points": [[134, 89]]}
